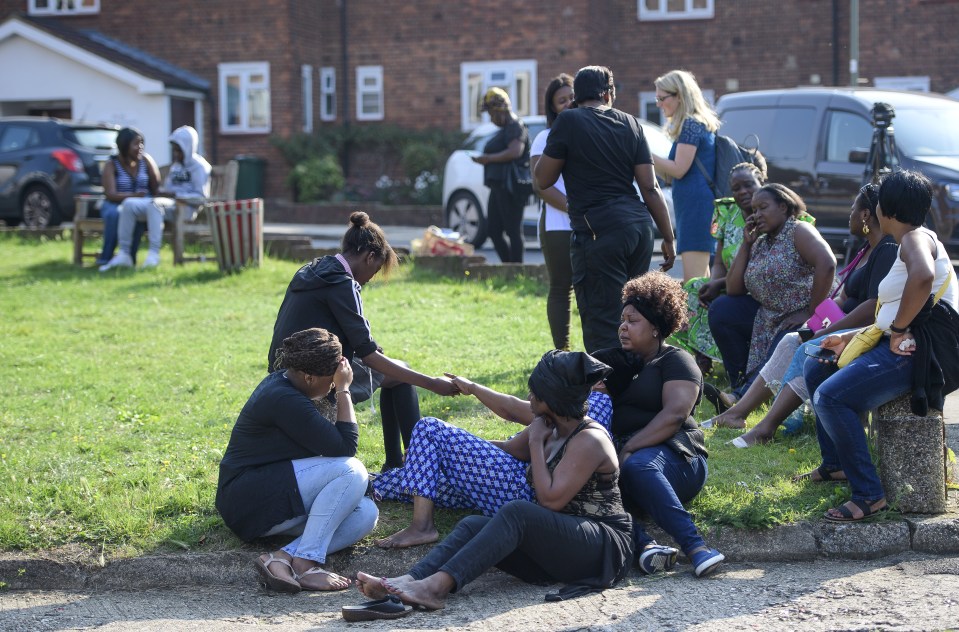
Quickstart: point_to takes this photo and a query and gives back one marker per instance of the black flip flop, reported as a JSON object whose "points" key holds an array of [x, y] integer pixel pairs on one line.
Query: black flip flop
{"points": [[845, 513], [572, 591], [389, 607]]}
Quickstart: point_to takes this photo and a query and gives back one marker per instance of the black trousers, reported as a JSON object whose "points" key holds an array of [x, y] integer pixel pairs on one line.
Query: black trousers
{"points": [[504, 221]]}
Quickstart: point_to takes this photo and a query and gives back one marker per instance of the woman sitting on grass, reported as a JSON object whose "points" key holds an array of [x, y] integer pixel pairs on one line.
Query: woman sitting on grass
{"points": [[655, 388], [288, 470], [578, 532], [448, 467]]}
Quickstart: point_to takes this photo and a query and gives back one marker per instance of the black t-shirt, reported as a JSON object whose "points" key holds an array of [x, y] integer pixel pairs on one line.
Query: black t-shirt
{"points": [[494, 173], [601, 148], [863, 283], [637, 388]]}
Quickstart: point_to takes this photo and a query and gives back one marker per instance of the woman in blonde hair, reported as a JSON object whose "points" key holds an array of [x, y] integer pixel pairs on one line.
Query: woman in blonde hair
{"points": [[692, 126]]}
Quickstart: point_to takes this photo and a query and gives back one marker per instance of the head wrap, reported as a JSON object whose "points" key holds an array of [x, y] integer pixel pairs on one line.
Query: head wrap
{"points": [[495, 99], [563, 380], [650, 311]]}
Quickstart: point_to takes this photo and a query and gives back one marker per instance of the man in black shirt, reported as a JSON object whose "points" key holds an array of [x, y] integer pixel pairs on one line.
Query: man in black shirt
{"points": [[600, 151]]}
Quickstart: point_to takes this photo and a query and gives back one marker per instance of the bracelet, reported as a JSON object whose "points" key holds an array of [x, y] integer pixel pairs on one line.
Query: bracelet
{"points": [[898, 330], [345, 391]]}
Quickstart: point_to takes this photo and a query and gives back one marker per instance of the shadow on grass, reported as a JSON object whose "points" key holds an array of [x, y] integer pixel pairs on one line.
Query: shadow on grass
{"points": [[54, 270]]}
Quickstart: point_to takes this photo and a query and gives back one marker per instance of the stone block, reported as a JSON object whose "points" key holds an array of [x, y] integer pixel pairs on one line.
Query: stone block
{"points": [[863, 540], [911, 453], [938, 534], [792, 542]]}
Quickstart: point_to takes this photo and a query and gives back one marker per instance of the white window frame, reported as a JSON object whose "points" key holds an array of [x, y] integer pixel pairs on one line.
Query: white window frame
{"points": [[364, 73], [662, 12], [52, 9], [244, 70], [476, 77], [327, 93], [306, 84]]}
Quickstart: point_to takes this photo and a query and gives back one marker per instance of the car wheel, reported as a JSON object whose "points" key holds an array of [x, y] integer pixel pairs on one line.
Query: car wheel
{"points": [[39, 209], [465, 216]]}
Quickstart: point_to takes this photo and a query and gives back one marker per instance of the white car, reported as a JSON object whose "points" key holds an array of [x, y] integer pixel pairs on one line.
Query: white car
{"points": [[465, 196]]}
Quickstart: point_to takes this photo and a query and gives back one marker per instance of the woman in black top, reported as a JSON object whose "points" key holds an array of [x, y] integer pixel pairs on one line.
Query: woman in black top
{"points": [[655, 388], [507, 198], [289, 470]]}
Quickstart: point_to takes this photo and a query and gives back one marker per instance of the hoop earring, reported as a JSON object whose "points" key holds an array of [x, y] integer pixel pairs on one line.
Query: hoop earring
{"points": [[865, 229]]}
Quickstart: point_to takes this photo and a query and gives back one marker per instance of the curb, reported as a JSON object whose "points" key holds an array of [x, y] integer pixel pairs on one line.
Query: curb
{"points": [[803, 541]]}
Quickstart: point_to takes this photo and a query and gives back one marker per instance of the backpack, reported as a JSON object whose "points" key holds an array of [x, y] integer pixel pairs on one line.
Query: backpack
{"points": [[729, 153]]}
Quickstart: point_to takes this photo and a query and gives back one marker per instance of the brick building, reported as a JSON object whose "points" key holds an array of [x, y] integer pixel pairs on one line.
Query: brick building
{"points": [[281, 67]]}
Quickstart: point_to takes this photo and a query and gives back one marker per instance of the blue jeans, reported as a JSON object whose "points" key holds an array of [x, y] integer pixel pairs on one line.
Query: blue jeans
{"points": [[110, 213], [659, 481], [338, 512], [840, 396]]}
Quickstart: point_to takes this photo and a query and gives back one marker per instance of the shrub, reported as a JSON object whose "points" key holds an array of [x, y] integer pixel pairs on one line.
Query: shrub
{"points": [[316, 179]]}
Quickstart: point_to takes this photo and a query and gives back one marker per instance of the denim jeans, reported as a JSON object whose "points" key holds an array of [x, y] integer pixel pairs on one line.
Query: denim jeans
{"points": [[530, 542], [840, 396], [133, 212], [601, 266], [110, 213], [338, 512], [731, 323], [659, 481]]}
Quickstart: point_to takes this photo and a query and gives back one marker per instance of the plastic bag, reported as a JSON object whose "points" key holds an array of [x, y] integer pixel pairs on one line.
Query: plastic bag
{"points": [[441, 242]]}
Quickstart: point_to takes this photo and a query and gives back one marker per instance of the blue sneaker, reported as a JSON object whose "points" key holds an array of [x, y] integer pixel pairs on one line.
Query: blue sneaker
{"points": [[657, 558], [705, 561]]}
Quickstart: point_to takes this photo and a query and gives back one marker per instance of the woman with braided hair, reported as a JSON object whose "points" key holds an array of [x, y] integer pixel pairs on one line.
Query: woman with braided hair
{"points": [[290, 471]]}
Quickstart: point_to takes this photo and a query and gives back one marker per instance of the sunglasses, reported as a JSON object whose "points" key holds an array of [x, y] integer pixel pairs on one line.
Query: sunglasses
{"points": [[668, 96]]}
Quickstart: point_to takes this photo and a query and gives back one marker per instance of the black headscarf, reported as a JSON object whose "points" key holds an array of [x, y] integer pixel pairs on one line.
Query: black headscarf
{"points": [[650, 311], [563, 380]]}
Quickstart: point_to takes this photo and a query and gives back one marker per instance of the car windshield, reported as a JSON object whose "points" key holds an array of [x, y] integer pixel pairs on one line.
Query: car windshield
{"points": [[94, 137], [927, 132]]}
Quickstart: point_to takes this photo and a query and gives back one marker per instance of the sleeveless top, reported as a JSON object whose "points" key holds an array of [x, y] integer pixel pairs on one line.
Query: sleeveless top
{"points": [[126, 184], [598, 497]]}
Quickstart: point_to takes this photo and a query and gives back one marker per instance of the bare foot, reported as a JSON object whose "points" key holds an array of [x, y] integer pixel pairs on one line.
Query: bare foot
{"points": [[729, 421], [755, 437], [373, 587], [316, 578], [410, 536], [416, 592]]}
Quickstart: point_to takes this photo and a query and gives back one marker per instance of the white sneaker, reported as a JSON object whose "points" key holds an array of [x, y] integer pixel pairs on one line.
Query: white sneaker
{"points": [[152, 260], [120, 260]]}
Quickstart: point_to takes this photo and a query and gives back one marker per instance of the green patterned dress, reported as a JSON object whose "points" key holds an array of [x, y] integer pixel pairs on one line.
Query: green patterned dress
{"points": [[727, 224]]}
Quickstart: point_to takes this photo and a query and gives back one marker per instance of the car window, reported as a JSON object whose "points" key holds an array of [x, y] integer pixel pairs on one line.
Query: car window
{"points": [[92, 137], [477, 142], [927, 132], [16, 137], [784, 133], [846, 132]]}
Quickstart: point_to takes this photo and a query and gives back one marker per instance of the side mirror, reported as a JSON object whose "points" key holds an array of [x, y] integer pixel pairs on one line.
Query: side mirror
{"points": [[859, 155]]}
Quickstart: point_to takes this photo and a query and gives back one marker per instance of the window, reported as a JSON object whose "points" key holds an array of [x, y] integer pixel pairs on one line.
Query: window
{"points": [[783, 133], [675, 9], [63, 7], [17, 137], [245, 97], [847, 132], [328, 94], [369, 93], [306, 81], [516, 77]]}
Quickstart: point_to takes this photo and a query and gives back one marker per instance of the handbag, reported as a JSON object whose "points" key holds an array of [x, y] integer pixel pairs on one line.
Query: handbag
{"points": [[829, 312], [869, 337], [518, 178]]}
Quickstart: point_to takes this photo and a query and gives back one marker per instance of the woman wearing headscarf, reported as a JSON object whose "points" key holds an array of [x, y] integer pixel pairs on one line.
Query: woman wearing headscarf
{"points": [[507, 150], [578, 513]]}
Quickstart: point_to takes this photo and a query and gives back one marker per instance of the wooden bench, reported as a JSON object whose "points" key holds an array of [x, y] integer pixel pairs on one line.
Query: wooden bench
{"points": [[188, 216]]}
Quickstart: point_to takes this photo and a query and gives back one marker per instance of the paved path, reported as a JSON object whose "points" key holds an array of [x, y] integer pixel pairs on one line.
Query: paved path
{"points": [[908, 592]]}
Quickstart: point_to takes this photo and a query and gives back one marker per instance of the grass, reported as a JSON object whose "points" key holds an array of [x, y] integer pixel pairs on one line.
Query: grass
{"points": [[120, 391]]}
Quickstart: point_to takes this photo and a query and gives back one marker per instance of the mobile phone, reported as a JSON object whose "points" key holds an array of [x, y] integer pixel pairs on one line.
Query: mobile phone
{"points": [[826, 355]]}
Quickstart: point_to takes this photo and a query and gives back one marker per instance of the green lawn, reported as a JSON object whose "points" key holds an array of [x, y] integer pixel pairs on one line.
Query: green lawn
{"points": [[120, 391]]}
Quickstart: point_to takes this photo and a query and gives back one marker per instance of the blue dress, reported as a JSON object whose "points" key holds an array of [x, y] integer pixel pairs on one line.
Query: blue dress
{"points": [[692, 197]]}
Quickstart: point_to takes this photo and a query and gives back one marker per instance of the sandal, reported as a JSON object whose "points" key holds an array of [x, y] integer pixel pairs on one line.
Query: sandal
{"points": [[275, 582], [389, 607], [867, 508], [720, 400], [316, 570], [826, 475]]}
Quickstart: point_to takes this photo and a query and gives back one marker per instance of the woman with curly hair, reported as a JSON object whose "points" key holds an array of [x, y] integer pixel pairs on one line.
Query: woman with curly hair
{"points": [[288, 470], [692, 127], [655, 388]]}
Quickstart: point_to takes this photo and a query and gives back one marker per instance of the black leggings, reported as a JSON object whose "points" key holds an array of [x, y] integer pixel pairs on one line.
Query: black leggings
{"points": [[399, 412], [504, 215], [555, 245]]}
